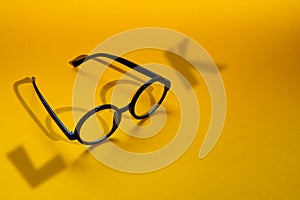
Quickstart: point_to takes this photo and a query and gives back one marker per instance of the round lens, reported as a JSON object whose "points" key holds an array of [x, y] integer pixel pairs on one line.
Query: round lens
{"points": [[148, 99], [98, 124]]}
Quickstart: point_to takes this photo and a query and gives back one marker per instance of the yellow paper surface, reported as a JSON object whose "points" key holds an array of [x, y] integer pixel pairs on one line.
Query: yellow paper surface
{"points": [[254, 43]]}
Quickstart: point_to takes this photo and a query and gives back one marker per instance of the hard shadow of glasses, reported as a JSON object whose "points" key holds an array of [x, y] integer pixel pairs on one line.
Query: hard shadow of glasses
{"points": [[19, 156], [35, 176], [48, 130], [136, 81], [21, 159]]}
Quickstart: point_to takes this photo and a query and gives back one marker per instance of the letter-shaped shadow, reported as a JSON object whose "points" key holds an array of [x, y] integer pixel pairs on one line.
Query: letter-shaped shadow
{"points": [[32, 175], [48, 129], [180, 64]]}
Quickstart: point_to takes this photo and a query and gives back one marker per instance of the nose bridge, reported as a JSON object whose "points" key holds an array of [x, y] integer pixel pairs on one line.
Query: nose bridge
{"points": [[125, 108]]}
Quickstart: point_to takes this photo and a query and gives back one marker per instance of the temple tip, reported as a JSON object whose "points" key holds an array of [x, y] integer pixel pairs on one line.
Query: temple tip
{"points": [[78, 60]]}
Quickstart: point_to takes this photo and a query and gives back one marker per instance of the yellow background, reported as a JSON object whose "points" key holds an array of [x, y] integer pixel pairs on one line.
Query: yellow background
{"points": [[256, 42]]}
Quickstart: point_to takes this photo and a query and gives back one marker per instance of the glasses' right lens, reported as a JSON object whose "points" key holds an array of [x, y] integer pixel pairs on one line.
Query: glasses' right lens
{"points": [[98, 126], [149, 98]]}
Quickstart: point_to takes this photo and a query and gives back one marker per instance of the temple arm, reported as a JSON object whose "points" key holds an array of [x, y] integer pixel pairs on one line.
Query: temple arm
{"points": [[68, 133], [83, 58]]}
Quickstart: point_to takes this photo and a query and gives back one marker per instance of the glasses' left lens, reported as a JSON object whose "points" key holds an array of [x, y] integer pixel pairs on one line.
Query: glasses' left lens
{"points": [[98, 125]]}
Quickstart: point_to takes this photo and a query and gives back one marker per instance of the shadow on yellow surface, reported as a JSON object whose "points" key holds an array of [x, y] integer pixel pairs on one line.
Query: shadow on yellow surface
{"points": [[33, 176]]}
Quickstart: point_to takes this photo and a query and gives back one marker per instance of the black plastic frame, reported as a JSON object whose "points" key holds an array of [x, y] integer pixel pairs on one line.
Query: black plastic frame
{"points": [[75, 135]]}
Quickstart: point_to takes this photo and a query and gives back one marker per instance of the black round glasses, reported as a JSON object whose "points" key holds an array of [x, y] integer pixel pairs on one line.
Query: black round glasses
{"points": [[109, 116]]}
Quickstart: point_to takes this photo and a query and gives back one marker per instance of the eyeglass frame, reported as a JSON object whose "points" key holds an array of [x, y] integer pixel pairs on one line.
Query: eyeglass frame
{"points": [[75, 135]]}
